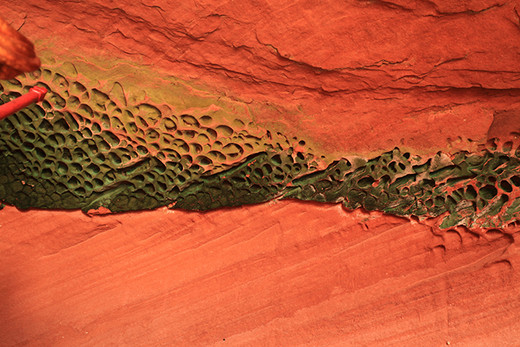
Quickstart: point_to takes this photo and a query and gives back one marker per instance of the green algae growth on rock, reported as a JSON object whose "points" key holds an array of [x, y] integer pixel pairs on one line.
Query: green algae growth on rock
{"points": [[87, 148]]}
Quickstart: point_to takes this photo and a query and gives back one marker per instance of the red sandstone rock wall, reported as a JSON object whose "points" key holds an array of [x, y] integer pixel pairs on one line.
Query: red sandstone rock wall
{"points": [[277, 274], [356, 76], [360, 75]]}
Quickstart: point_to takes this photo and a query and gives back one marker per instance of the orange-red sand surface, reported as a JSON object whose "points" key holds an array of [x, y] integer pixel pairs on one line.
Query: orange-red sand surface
{"points": [[285, 273], [356, 77]]}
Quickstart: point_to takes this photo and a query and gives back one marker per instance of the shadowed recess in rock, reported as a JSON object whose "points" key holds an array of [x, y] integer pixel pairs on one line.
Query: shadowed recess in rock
{"points": [[86, 148]]}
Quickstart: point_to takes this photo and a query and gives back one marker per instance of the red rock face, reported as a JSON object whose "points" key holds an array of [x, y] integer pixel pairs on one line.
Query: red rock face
{"points": [[360, 75], [353, 77], [283, 274]]}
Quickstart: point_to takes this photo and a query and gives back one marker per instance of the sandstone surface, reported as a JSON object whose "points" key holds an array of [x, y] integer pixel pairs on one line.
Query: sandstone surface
{"points": [[351, 77], [356, 76], [275, 274]]}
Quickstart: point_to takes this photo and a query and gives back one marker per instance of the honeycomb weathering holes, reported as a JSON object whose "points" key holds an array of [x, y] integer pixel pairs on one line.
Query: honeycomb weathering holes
{"points": [[86, 148]]}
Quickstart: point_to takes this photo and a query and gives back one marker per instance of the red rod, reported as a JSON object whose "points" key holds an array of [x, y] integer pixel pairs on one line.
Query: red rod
{"points": [[35, 94]]}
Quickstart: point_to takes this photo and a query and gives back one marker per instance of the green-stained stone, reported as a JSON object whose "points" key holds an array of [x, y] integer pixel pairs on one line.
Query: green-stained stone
{"points": [[86, 148]]}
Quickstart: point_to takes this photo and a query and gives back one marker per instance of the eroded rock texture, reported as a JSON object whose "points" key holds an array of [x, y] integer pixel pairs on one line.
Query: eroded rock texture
{"points": [[387, 69], [410, 108], [87, 149], [282, 274]]}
